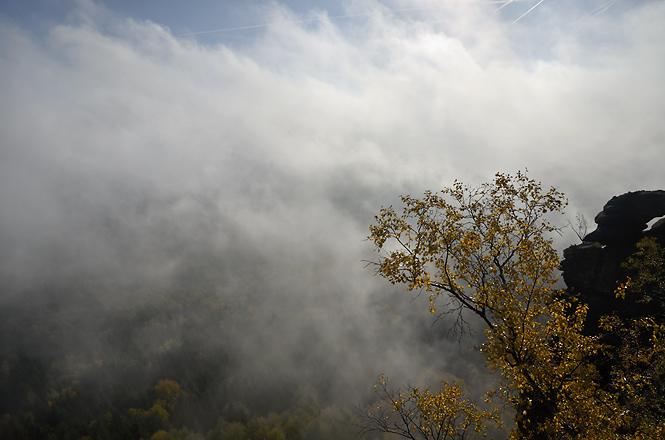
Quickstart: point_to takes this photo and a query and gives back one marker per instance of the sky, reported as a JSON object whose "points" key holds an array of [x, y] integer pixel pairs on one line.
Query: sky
{"points": [[135, 136]]}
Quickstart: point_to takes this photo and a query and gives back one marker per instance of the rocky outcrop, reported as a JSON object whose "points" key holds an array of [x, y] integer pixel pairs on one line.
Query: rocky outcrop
{"points": [[592, 269], [624, 218]]}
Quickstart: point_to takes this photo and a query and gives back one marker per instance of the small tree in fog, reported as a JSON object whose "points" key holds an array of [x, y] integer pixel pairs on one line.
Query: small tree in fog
{"points": [[581, 226], [422, 414]]}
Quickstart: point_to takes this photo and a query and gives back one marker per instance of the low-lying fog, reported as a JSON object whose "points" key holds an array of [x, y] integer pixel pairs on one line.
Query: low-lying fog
{"points": [[138, 168]]}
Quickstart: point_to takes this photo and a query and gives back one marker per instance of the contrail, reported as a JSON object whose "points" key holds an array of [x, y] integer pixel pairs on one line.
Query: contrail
{"points": [[599, 10], [504, 3], [603, 8], [267, 24], [521, 16]]}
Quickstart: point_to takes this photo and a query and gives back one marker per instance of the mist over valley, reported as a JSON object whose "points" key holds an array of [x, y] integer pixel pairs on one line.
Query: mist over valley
{"points": [[195, 208]]}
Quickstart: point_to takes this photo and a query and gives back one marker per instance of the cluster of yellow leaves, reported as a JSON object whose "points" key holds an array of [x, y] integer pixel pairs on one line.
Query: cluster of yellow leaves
{"points": [[481, 246], [639, 369], [488, 250], [555, 380], [417, 413], [168, 390], [156, 414]]}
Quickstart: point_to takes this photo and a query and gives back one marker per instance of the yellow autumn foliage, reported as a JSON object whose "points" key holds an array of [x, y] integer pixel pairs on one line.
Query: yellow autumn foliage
{"points": [[488, 251]]}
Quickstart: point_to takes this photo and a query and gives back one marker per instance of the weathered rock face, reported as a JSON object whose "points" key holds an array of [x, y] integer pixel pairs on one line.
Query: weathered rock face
{"points": [[593, 268], [625, 217]]}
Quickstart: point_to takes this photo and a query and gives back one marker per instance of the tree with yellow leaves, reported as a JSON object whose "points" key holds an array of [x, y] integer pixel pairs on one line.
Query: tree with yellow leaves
{"points": [[638, 356], [422, 414], [488, 251]]}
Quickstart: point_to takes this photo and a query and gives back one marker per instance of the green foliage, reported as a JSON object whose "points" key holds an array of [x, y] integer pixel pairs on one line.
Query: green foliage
{"points": [[638, 359], [169, 348], [228, 431], [177, 434], [143, 423], [647, 280]]}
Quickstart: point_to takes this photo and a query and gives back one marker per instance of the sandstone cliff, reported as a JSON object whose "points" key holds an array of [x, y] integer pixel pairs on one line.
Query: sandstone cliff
{"points": [[592, 269]]}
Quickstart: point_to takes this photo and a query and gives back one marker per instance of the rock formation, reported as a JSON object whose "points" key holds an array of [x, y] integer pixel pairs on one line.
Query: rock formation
{"points": [[592, 269]]}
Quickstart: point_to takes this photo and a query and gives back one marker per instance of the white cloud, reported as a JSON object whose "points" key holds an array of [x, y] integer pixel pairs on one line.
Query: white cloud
{"points": [[393, 101]]}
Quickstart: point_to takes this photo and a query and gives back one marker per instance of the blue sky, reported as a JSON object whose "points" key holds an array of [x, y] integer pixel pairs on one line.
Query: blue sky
{"points": [[206, 15]]}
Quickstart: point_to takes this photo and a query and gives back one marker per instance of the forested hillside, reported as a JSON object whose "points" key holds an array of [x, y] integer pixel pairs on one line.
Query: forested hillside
{"points": [[194, 359]]}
